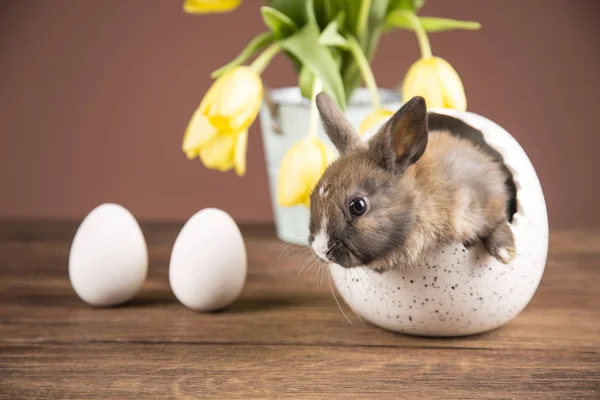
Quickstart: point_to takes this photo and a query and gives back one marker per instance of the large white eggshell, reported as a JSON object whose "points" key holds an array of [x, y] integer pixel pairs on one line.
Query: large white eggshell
{"points": [[461, 291], [108, 261], [208, 264]]}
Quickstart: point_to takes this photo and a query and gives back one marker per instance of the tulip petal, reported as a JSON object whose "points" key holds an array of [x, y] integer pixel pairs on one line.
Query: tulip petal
{"points": [[243, 85], [306, 202], [290, 189], [453, 90], [209, 6], [218, 153], [373, 120], [315, 158], [245, 117], [301, 168], [198, 133], [423, 80], [234, 99], [218, 129], [239, 156]]}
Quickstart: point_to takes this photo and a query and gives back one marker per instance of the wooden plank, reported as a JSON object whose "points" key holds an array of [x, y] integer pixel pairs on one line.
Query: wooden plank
{"points": [[277, 306], [131, 370], [277, 316], [284, 335]]}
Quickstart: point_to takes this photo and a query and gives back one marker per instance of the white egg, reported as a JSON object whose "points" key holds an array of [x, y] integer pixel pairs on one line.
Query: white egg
{"points": [[108, 262], [208, 263], [461, 291]]}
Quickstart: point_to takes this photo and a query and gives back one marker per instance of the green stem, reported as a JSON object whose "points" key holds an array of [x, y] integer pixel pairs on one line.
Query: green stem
{"points": [[313, 119], [363, 18], [365, 70], [258, 43], [421, 36], [262, 61]]}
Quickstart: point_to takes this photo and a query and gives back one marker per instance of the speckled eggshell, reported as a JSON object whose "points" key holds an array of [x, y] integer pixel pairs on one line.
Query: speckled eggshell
{"points": [[461, 291]]}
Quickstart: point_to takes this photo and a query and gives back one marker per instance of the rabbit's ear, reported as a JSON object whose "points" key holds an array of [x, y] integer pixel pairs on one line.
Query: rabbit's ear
{"points": [[337, 127], [403, 139]]}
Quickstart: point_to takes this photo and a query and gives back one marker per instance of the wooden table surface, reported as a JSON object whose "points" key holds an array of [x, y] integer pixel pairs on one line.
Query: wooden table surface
{"points": [[284, 337]]}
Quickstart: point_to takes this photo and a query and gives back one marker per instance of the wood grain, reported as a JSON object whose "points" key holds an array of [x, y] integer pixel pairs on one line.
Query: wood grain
{"points": [[285, 336]]}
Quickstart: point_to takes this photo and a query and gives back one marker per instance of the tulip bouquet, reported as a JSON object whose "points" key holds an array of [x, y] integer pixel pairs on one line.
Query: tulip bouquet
{"points": [[330, 43]]}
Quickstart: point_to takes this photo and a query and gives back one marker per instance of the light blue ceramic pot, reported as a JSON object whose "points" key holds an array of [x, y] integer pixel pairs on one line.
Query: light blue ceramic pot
{"points": [[284, 120]]}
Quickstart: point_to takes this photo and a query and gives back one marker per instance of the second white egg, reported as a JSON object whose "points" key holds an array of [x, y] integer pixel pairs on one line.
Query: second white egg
{"points": [[208, 263]]}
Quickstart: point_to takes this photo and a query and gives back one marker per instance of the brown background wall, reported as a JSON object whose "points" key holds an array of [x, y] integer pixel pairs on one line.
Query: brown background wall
{"points": [[95, 95]]}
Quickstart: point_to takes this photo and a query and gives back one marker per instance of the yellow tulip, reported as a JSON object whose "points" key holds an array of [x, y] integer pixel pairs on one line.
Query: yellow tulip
{"points": [[437, 81], [210, 6], [198, 133], [301, 169], [218, 153], [224, 152], [234, 99], [373, 120], [239, 153], [218, 130]]}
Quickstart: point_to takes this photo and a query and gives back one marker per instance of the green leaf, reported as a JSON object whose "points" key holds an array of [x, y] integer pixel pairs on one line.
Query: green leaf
{"points": [[306, 80], [376, 20], [433, 24], [352, 10], [331, 37], [293, 9], [280, 24], [257, 44], [404, 19], [378, 12], [350, 71], [334, 40], [310, 12], [362, 22], [305, 46], [331, 10], [323, 12], [337, 56], [410, 5], [399, 19], [365, 68]]}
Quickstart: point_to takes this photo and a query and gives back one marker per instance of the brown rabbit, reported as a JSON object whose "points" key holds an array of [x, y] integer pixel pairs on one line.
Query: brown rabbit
{"points": [[392, 201]]}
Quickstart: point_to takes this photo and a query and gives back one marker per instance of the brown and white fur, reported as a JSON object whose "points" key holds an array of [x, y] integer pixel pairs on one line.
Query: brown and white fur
{"points": [[421, 189]]}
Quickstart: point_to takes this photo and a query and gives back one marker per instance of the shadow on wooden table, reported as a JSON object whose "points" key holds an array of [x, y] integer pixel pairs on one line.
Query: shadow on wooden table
{"points": [[242, 305], [258, 304]]}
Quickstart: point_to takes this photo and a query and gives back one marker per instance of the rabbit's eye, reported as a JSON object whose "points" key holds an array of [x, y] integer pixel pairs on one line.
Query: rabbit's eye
{"points": [[358, 206]]}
